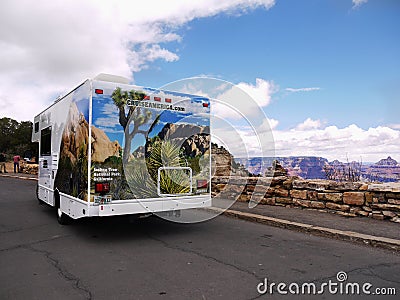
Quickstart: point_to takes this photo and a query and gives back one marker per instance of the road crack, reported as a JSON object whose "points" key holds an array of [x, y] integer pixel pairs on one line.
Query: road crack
{"points": [[62, 271], [185, 250]]}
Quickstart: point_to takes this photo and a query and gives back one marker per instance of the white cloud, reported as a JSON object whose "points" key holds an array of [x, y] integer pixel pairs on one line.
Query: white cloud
{"points": [[272, 123], [296, 90], [336, 143], [48, 47], [244, 99], [331, 142], [309, 124], [260, 92], [358, 3]]}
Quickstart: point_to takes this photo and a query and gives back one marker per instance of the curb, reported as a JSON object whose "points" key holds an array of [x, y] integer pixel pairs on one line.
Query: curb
{"points": [[351, 236], [19, 177]]}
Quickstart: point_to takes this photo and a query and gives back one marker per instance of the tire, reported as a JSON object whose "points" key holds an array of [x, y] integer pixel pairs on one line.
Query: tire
{"points": [[62, 218]]}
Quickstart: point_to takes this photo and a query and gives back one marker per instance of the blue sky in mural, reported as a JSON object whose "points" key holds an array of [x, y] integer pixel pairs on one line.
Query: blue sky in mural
{"points": [[83, 107], [105, 117]]}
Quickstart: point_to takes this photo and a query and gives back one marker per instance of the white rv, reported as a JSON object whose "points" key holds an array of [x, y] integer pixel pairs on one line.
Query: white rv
{"points": [[109, 148]]}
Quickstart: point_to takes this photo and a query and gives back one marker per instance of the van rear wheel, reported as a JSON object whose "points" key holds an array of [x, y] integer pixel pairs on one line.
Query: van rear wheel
{"points": [[62, 218], [37, 195]]}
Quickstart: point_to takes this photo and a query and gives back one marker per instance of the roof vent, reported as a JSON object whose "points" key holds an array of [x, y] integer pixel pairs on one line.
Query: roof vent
{"points": [[111, 78]]}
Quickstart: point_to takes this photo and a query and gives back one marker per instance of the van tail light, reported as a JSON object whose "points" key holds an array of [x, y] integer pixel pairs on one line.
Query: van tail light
{"points": [[103, 187], [202, 184]]}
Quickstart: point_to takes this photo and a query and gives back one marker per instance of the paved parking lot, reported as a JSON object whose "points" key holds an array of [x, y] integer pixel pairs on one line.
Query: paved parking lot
{"points": [[151, 258]]}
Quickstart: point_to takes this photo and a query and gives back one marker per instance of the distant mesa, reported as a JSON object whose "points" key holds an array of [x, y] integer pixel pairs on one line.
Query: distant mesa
{"points": [[387, 162], [309, 167]]}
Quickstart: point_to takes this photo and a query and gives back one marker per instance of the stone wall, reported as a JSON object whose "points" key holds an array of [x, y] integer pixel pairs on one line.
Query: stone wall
{"points": [[378, 201]]}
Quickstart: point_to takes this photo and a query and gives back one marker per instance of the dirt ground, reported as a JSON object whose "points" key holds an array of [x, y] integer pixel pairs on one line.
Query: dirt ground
{"points": [[10, 166]]}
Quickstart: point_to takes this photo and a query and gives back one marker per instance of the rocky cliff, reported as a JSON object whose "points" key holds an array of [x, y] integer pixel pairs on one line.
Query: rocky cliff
{"points": [[75, 139], [193, 139], [178, 131], [197, 144], [224, 164], [102, 147], [75, 135]]}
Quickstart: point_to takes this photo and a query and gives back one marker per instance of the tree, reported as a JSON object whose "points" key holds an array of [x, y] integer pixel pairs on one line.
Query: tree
{"points": [[15, 137], [8, 128], [131, 115]]}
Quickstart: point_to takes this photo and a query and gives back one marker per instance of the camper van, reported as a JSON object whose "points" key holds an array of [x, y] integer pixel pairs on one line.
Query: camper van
{"points": [[109, 148]]}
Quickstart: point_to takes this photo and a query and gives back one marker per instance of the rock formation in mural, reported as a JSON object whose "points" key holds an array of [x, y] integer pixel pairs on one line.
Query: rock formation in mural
{"points": [[102, 147], [75, 134]]}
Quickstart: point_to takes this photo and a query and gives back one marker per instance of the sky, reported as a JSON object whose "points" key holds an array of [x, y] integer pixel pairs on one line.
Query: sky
{"points": [[326, 74]]}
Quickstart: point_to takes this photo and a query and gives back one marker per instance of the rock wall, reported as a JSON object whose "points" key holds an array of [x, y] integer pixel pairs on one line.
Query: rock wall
{"points": [[29, 169], [351, 199], [223, 163]]}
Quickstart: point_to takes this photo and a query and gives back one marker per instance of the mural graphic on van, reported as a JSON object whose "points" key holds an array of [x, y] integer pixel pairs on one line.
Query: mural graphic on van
{"points": [[72, 173], [165, 144], [143, 145]]}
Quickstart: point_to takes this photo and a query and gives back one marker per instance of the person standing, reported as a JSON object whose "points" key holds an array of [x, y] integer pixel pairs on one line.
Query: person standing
{"points": [[3, 163], [17, 158]]}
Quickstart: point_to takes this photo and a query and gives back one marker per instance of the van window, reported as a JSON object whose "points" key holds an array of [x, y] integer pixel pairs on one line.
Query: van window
{"points": [[36, 127], [45, 141]]}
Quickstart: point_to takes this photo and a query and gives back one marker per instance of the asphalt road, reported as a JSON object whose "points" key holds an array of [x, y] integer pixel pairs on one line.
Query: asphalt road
{"points": [[151, 258]]}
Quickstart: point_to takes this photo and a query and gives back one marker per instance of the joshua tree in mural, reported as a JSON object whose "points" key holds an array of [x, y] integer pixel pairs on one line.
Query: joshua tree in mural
{"points": [[131, 115]]}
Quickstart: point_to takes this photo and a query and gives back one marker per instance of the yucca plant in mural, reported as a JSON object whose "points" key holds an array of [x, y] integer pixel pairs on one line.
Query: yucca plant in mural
{"points": [[142, 175], [174, 181], [139, 180]]}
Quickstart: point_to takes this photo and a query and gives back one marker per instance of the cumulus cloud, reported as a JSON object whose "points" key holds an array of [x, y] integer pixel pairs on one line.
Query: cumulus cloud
{"points": [[244, 99], [309, 124], [260, 92], [47, 47], [311, 138], [272, 123], [296, 90], [336, 143], [358, 3]]}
